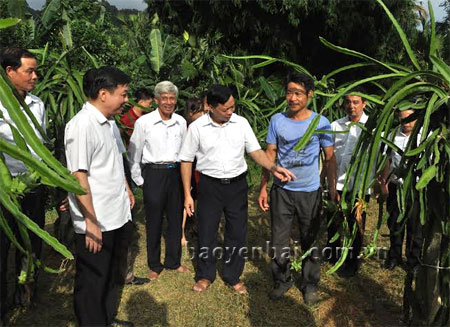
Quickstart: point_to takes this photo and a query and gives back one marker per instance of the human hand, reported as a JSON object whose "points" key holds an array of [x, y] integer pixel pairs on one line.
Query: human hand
{"points": [[282, 174], [263, 200], [93, 237], [189, 205]]}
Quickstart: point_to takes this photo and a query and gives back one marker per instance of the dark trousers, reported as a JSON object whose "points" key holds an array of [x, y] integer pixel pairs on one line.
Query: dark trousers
{"points": [[163, 194], [414, 237], [33, 206], [286, 205], [213, 199], [99, 277], [352, 262]]}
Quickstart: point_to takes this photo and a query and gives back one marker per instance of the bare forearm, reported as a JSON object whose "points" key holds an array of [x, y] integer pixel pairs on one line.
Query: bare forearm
{"points": [[186, 175], [85, 201], [331, 172]]}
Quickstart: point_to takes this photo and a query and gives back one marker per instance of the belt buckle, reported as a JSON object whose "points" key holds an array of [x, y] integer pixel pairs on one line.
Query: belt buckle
{"points": [[225, 181], [171, 166]]}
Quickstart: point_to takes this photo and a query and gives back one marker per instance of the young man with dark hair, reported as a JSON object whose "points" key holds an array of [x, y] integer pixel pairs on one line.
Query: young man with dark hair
{"points": [[354, 104], [21, 68], [101, 217], [299, 198], [390, 181], [143, 98], [219, 140]]}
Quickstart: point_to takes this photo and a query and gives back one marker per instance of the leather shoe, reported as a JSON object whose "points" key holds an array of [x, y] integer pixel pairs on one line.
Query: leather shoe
{"points": [[121, 323], [391, 263], [310, 298], [138, 281], [279, 290], [153, 275]]}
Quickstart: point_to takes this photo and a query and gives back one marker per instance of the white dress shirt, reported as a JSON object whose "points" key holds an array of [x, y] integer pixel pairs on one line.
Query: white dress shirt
{"points": [[344, 143], [219, 148], [155, 140], [401, 140], [36, 106], [93, 144]]}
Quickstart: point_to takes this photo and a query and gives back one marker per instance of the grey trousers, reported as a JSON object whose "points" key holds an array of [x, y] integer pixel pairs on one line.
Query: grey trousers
{"points": [[286, 205]]}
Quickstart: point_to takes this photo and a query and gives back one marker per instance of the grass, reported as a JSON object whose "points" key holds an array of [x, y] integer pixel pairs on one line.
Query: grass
{"points": [[373, 298]]}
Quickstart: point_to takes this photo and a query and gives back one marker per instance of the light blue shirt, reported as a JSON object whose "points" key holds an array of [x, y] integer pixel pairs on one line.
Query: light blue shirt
{"points": [[285, 134]]}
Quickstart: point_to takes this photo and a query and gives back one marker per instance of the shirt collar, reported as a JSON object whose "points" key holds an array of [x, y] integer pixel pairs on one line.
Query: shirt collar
{"points": [[209, 121], [158, 119], [30, 98], [362, 120], [96, 113]]}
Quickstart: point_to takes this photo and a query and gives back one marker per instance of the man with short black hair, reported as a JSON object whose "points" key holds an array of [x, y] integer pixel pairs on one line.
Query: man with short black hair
{"points": [[219, 140], [21, 68], [300, 198], [101, 217], [354, 104]]}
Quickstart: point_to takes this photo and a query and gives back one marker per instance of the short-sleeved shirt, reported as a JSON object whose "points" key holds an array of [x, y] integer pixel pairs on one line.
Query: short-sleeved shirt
{"points": [[155, 140], [36, 106], [344, 146], [93, 144], [285, 133], [219, 149], [401, 140]]}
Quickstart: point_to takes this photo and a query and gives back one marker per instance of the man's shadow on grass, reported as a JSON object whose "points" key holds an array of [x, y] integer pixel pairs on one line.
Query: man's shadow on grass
{"points": [[143, 310]]}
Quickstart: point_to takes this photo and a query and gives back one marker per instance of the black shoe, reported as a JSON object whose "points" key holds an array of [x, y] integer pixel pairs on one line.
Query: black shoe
{"points": [[348, 271], [279, 290], [391, 263], [310, 298], [121, 323], [138, 281]]}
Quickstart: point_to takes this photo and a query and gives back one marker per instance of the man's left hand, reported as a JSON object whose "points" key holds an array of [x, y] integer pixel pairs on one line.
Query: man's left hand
{"points": [[132, 199], [282, 174]]}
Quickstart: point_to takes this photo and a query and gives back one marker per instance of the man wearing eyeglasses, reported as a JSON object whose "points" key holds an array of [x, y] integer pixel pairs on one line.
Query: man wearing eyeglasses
{"points": [[155, 146]]}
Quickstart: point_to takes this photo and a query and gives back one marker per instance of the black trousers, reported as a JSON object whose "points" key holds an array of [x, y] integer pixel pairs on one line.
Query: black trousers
{"points": [[163, 193], [213, 199], [100, 276], [33, 206], [352, 262], [286, 205], [414, 238]]}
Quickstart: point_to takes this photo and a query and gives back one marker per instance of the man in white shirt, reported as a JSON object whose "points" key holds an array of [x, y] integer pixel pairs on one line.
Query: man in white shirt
{"points": [[21, 68], [389, 183], [219, 140], [155, 145], [344, 144], [101, 217]]}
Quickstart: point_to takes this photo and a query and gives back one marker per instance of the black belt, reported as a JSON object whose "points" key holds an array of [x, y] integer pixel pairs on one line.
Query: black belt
{"points": [[171, 165], [226, 180]]}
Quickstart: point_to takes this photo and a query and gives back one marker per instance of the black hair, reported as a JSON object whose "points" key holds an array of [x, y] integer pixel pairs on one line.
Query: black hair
{"points": [[218, 94], [106, 77], [143, 94], [11, 57], [193, 106], [302, 79], [358, 89]]}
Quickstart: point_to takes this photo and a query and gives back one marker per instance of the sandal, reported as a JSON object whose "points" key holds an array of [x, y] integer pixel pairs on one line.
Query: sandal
{"points": [[240, 288], [201, 285]]}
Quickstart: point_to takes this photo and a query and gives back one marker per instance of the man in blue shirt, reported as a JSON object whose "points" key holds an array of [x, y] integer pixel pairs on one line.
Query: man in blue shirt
{"points": [[299, 198]]}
